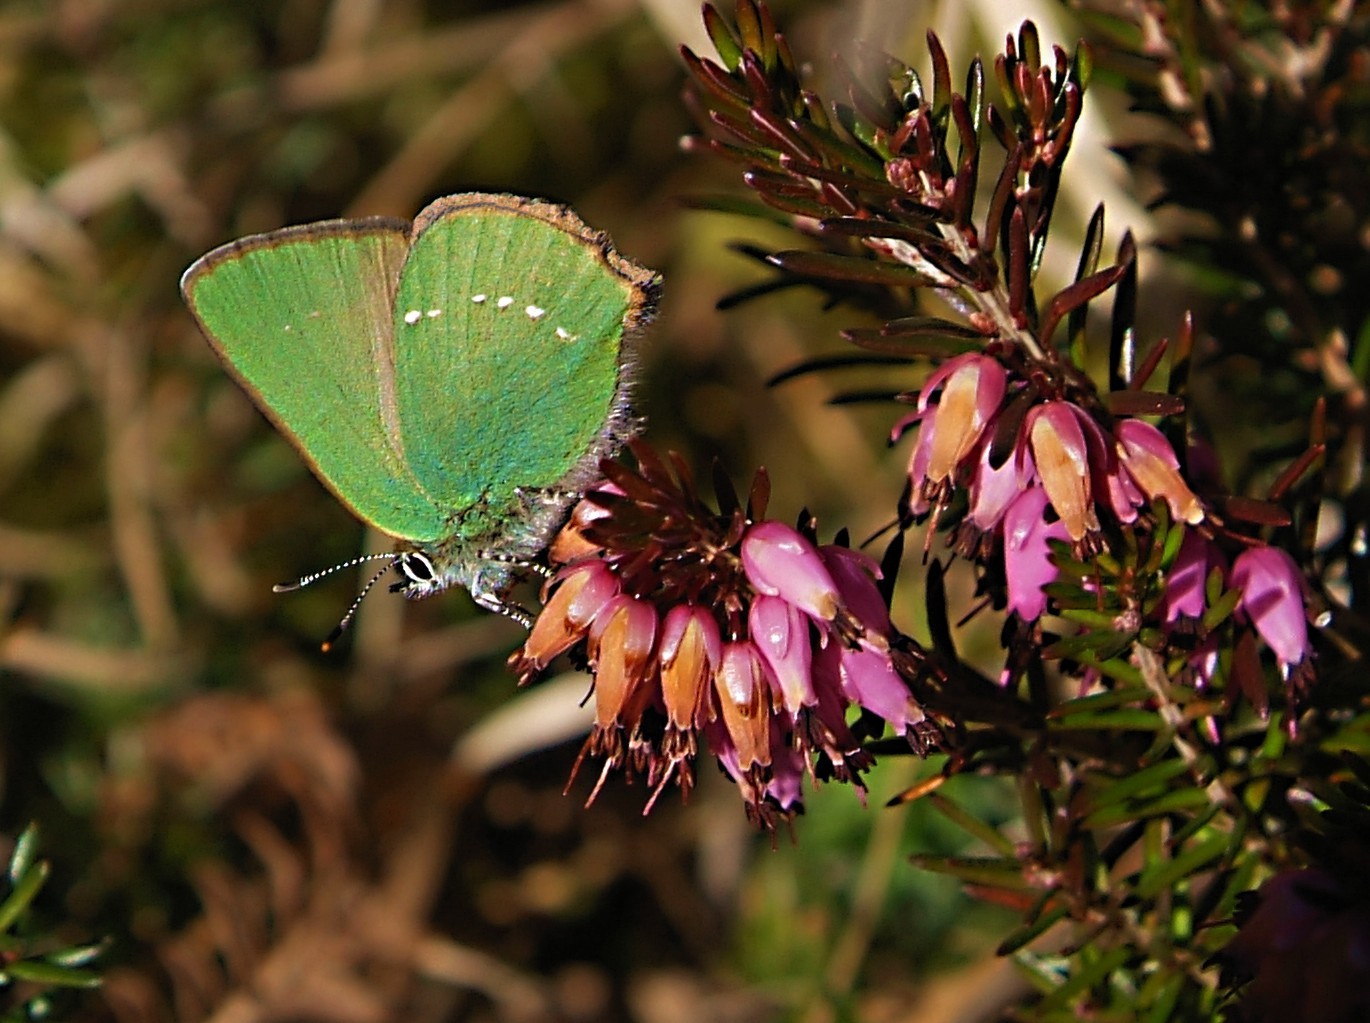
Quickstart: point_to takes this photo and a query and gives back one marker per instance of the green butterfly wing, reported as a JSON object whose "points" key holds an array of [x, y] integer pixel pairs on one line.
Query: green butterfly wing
{"points": [[514, 330], [302, 318]]}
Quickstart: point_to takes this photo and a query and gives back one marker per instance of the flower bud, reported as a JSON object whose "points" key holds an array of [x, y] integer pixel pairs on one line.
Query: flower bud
{"points": [[1027, 554], [972, 386], [1187, 580], [690, 650], [571, 542], [1150, 460], [855, 573], [779, 562], [621, 641], [581, 593], [1272, 597], [780, 634], [741, 689], [1060, 451]]}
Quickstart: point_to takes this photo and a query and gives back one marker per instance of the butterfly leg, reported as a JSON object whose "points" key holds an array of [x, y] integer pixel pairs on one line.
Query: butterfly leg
{"points": [[548, 504], [550, 496], [520, 564], [494, 602]]}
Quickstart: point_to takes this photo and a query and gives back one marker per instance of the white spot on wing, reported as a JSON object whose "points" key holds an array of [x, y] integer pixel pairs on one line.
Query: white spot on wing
{"points": [[413, 316], [505, 301], [534, 312]]}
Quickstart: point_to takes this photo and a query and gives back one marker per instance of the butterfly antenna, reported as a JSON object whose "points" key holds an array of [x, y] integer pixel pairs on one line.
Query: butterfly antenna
{"points": [[305, 580], [341, 627]]}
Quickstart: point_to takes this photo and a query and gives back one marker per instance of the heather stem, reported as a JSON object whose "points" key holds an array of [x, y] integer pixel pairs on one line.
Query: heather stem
{"points": [[993, 302]]}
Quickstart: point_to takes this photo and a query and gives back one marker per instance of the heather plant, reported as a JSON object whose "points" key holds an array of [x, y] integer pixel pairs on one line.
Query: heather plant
{"points": [[1162, 698]]}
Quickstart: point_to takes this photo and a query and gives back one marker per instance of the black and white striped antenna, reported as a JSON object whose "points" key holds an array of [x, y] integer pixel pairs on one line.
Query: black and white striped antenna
{"points": [[341, 627], [305, 580]]}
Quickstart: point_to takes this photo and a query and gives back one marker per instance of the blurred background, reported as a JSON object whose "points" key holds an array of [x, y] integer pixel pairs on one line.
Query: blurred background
{"points": [[269, 832]]}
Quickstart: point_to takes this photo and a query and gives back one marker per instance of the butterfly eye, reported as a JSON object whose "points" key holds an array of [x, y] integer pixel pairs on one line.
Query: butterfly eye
{"points": [[418, 569]]}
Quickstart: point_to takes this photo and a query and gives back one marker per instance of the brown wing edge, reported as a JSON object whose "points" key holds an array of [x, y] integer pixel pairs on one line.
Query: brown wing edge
{"points": [[269, 239]]}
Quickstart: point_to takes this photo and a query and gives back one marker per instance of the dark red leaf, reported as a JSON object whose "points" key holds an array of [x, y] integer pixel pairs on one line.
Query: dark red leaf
{"points": [[1074, 296], [1253, 510], [830, 266], [1295, 471], [714, 80], [1143, 403]]}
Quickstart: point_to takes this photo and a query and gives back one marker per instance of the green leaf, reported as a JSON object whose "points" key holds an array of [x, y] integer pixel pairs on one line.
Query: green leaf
{"points": [[1101, 701], [25, 849], [38, 971], [975, 94], [725, 43], [1240, 879], [1220, 609], [1105, 620], [1103, 645], [1174, 539], [1135, 720], [1082, 61], [991, 871], [1117, 669], [1160, 994], [22, 894], [1111, 791], [1029, 932], [971, 824], [1166, 874], [863, 131], [1197, 824], [78, 955], [848, 159], [1083, 979], [1172, 802]]}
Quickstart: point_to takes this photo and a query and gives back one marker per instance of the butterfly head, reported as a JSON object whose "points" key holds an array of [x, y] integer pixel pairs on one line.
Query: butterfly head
{"points": [[486, 575], [423, 573], [420, 578]]}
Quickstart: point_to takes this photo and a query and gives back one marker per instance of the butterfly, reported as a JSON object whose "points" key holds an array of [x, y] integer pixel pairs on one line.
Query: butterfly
{"points": [[454, 381]]}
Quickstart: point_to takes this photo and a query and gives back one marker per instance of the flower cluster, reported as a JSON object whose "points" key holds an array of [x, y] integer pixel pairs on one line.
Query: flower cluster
{"points": [[722, 624], [1271, 602], [1053, 456], [1039, 471]]}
